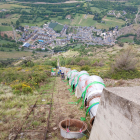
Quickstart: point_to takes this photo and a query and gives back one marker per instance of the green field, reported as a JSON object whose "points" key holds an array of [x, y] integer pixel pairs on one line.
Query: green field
{"points": [[95, 9], [83, 20], [110, 22], [60, 20], [126, 40], [6, 28], [34, 24], [8, 20], [5, 42], [58, 27], [13, 54], [11, 6], [52, 25]]}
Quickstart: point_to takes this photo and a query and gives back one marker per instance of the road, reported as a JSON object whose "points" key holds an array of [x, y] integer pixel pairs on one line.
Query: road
{"points": [[14, 33], [137, 16], [66, 2]]}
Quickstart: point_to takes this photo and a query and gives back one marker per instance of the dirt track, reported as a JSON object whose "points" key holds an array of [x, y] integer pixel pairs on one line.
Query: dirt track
{"points": [[62, 110]]}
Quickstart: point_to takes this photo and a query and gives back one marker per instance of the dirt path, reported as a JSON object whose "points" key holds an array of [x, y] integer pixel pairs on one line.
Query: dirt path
{"points": [[62, 110], [80, 21], [137, 16]]}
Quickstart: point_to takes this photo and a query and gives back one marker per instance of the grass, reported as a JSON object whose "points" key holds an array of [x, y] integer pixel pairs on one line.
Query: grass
{"points": [[39, 19], [8, 20], [5, 42], [83, 20], [76, 20], [53, 25], [15, 107], [14, 54], [58, 27], [110, 22], [11, 6], [126, 40], [88, 22], [95, 9], [34, 24], [60, 20], [6, 28]]}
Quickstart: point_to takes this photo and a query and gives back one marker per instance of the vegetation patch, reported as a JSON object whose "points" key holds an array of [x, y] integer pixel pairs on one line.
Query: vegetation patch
{"points": [[53, 25], [6, 28], [58, 28], [126, 40]]}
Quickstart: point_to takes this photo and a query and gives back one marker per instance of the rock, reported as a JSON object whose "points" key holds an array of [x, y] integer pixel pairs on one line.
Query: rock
{"points": [[55, 128]]}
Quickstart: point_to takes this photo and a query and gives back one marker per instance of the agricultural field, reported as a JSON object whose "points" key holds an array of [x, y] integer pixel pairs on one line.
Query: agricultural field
{"points": [[62, 21], [6, 28], [110, 22], [5, 42], [52, 25], [55, 26], [11, 6], [13, 54], [83, 20], [58, 27], [8, 20], [126, 40]]}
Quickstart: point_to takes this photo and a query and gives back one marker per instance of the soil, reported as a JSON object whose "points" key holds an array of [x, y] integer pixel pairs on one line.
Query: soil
{"points": [[72, 128], [62, 110], [8, 33]]}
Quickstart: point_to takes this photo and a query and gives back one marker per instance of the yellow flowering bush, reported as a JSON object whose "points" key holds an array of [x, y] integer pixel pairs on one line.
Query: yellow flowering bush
{"points": [[25, 80]]}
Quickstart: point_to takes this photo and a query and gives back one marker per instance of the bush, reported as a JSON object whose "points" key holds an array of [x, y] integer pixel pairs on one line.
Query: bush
{"points": [[54, 63], [27, 63], [123, 74], [126, 60], [124, 66], [27, 89], [100, 64], [81, 63], [86, 68], [16, 91]]}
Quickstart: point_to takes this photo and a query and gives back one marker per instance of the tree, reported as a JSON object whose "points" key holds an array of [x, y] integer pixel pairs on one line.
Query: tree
{"points": [[33, 52], [17, 23], [22, 49], [71, 40]]}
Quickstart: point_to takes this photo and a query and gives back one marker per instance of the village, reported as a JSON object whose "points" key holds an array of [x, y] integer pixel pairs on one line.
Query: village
{"points": [[36, 37]]}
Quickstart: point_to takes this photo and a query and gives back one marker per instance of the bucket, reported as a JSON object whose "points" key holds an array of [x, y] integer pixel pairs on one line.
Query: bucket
{"points": [[72, 128]]}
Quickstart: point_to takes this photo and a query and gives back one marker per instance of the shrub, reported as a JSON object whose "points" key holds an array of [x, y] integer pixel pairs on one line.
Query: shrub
{"points": [[16, 91], [27, 63], [86, 68], [100, 64], [123, 74], [54, 63], [17, 86], [126, 60], [27, 90], [81, 63]]}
